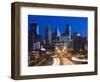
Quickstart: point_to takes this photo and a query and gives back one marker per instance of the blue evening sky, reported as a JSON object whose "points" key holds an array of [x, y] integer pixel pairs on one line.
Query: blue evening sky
{"points": [[78, 24]]}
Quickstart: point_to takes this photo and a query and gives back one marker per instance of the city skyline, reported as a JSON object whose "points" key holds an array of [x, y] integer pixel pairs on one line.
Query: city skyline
{"points": [[78, 24], [51, 37]]}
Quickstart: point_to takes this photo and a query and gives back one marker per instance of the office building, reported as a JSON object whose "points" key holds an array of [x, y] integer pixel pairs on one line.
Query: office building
{"points": [[48, 34]]}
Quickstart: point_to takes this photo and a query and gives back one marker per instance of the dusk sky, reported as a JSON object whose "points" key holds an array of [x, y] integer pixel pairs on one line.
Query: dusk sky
{"points": [[78, 24]]}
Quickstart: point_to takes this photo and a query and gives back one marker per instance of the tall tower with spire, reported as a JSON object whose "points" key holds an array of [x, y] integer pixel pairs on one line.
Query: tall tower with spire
{"points": [[58, 32]]}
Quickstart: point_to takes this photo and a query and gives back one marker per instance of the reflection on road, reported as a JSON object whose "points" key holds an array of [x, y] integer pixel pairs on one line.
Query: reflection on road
{"points": [[61, 61], [56, 61], [62, 54]]}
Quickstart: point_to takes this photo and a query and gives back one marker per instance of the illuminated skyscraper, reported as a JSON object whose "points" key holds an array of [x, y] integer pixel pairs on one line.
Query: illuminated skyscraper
{"points": [[68, 35], [33, 35], [68, 30], [37, 29], [48, 34], [58, 32], [79, 42]]}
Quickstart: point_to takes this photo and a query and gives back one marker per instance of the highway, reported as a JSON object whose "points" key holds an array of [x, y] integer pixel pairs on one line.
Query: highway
{"points": [[56, 61], [61, 61]]}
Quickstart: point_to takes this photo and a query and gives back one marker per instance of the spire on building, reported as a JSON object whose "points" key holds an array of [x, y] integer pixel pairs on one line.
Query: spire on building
{"points": [[58, 32]]}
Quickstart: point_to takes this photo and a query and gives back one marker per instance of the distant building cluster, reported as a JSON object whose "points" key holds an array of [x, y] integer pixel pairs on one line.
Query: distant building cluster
{"points": [[73, 41]]}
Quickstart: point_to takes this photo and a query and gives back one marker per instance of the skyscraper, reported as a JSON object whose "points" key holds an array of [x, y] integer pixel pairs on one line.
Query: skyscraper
{"points": [[78, 42], [37, 29], [68, 35], [56, 35], [48, 34], [58, 32], [68, 30], [34, 29], [33, 35]]}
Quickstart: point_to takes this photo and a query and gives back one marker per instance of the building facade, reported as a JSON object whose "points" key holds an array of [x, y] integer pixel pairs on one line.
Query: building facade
{"points": [[63, 39], [48, 34], [33, 37]]}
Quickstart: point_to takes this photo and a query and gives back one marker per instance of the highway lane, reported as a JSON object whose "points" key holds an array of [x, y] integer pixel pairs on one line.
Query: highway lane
{"points": [[61, 61]]}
